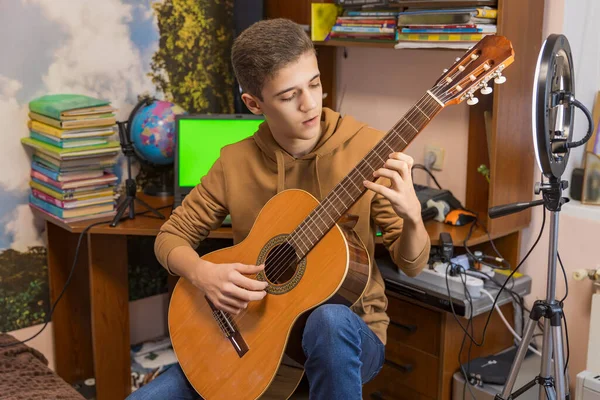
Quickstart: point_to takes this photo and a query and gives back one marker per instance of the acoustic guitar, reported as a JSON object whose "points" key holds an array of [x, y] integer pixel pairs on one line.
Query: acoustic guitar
{"points": [[311, 257]]}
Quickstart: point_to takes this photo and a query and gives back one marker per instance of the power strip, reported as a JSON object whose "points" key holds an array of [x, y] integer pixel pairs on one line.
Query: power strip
{"points": [[437, 276]]}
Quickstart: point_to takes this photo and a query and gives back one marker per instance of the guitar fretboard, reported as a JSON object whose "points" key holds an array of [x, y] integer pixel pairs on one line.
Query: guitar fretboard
{"points": [[351, 187]]}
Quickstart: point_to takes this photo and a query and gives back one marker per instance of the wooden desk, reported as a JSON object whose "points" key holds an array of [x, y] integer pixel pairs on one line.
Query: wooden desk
{"points": [[91, 321]]}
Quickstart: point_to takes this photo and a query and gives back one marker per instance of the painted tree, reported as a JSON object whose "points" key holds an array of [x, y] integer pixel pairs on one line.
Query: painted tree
{"points": [[192, 65]]}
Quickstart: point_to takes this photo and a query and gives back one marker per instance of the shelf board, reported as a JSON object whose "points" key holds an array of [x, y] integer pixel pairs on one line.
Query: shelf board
{"points": [[356, 43], [444, 3], [384, 45]]}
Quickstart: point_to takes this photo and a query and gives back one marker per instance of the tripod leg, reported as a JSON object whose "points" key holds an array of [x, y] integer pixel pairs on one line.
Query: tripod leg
{"points": [[520, 356], [154, 211], [549, 391], [124, 205], [546, 367], [559, 362]]}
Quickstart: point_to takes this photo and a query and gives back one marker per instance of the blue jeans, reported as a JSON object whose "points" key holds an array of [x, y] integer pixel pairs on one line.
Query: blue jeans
{"points": [[342, 355]]}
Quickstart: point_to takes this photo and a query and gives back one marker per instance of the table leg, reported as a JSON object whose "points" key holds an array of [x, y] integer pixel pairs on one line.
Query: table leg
{"points": [[110, 315], [71, 319]]}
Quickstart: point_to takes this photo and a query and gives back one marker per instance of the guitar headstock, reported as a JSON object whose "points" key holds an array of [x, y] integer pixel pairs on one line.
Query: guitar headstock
{"points": [[483, 62]]}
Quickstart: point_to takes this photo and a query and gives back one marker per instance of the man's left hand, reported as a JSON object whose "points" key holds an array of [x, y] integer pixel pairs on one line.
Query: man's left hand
{"points": [[401, 194]]}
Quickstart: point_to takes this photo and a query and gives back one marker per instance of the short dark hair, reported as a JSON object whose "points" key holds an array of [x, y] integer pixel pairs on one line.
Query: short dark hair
{"points": [[264, 48]]}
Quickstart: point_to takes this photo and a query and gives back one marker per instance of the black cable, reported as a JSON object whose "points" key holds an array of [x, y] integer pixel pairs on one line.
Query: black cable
{"points": [[499, 291], [588, 115], [68, 281], [424, 168], [562, 307]]}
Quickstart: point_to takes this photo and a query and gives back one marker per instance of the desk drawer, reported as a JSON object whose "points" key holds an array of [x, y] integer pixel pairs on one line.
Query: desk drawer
{"points": [[385, 386], [412, 368], [414, 326]]}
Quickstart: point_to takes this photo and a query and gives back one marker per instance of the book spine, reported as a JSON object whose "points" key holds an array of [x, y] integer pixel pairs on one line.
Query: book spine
{"points": [[49, 208], [47, 198], [45, 171], [351, 29], [41, 177]]}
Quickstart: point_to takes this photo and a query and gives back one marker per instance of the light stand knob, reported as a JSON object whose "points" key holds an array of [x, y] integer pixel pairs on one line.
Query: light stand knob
{"points": [[500, 79]]}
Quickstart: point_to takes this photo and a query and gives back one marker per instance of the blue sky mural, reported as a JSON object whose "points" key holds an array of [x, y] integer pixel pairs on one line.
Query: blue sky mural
{"points": [[98, 48]]}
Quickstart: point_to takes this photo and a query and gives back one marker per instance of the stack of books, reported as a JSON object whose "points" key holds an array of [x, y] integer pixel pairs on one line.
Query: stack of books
{"points": [[72, 177], [448, 27], [372, 26]]}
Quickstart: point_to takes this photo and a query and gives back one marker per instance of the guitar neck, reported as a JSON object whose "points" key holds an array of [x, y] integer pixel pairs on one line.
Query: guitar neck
{"points": [[351, 187]]}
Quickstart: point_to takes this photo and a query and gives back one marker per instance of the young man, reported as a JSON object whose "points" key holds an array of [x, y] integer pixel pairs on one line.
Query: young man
{"points": [[300, 146]]}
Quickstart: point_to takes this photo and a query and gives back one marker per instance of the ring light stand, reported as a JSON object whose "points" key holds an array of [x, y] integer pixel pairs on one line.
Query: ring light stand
{"points": [[552, 115]]}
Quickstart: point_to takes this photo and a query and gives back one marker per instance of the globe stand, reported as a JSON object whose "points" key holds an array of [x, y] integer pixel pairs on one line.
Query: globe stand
{"points": [[128, 203], [162, 188]]}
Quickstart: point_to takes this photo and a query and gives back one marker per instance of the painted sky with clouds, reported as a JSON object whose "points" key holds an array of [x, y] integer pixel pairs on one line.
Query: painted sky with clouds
{"points": [[98, 48]]}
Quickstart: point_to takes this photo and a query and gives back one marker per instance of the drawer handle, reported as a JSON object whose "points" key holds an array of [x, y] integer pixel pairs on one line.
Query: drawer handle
{"points": [[377, 396], [409, 328], [405, 368]]}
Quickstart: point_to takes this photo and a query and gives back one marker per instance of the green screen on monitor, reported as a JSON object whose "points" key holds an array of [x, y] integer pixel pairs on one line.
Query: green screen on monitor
{"points": [[200, 141]]}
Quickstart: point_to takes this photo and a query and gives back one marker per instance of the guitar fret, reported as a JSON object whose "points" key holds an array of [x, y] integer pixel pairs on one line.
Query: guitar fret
{"points": [[416, 130], [389, 147], [419, 108]]}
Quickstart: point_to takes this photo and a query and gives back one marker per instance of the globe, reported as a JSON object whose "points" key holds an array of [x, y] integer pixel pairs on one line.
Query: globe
{"points": [[153, 131]]}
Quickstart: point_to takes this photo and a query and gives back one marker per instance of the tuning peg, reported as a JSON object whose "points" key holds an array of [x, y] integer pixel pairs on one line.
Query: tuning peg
{"points": [[486, 89], [445, 70], [457, 59], [472, 100], [500, 79]]}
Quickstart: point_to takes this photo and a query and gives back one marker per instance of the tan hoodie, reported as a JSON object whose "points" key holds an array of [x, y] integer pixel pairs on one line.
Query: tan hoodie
{"points": [[250, 172]]}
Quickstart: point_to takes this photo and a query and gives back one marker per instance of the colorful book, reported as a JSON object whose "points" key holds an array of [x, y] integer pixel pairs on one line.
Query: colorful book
{"points": [[107, 178], [323, 16], [75, 164], [57, 106], [72, 124], [360, 29], [70, 213], [66, 143], [101, 216], [491, 29], [440, 37], [70, 204], [111, 147], [77, 194], [447, 16], [66, 176], [45, 129]]}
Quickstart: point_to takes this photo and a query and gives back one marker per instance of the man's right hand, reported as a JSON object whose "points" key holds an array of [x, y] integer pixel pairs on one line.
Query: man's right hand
{"points": [[227, 286]]}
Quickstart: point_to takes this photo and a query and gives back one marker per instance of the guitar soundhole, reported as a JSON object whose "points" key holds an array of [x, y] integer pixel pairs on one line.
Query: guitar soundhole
{"points": [[281, 264]]}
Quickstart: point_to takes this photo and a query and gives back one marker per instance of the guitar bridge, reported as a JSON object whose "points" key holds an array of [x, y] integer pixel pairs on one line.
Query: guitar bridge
{"points": [[229, 329]]}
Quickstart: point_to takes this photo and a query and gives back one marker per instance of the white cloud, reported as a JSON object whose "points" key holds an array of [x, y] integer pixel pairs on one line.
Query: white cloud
{"points": [[24, 229], [14, 162], [97, 58]]}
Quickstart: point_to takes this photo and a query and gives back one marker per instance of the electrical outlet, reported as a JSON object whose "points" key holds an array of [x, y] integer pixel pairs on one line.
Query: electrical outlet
{"points": [[439, 156]]}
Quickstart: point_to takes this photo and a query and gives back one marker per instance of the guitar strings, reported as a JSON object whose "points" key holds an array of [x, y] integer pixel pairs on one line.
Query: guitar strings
{"points": [[357, 170], [282, 258]]}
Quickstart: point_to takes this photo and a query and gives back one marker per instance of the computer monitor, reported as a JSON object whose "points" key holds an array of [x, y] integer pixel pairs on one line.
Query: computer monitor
{"points": [[199, 139]]}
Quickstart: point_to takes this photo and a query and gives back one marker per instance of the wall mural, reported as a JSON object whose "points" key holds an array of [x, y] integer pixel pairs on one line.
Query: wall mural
{"points": [[112, 49]]}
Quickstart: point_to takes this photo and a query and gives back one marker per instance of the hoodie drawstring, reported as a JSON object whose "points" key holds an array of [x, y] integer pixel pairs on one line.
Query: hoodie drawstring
{"points": [[317, 173], [280, 171]]}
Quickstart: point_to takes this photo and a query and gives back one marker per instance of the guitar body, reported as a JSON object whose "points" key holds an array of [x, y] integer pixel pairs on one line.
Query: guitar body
{"points": [[258, 353]]}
